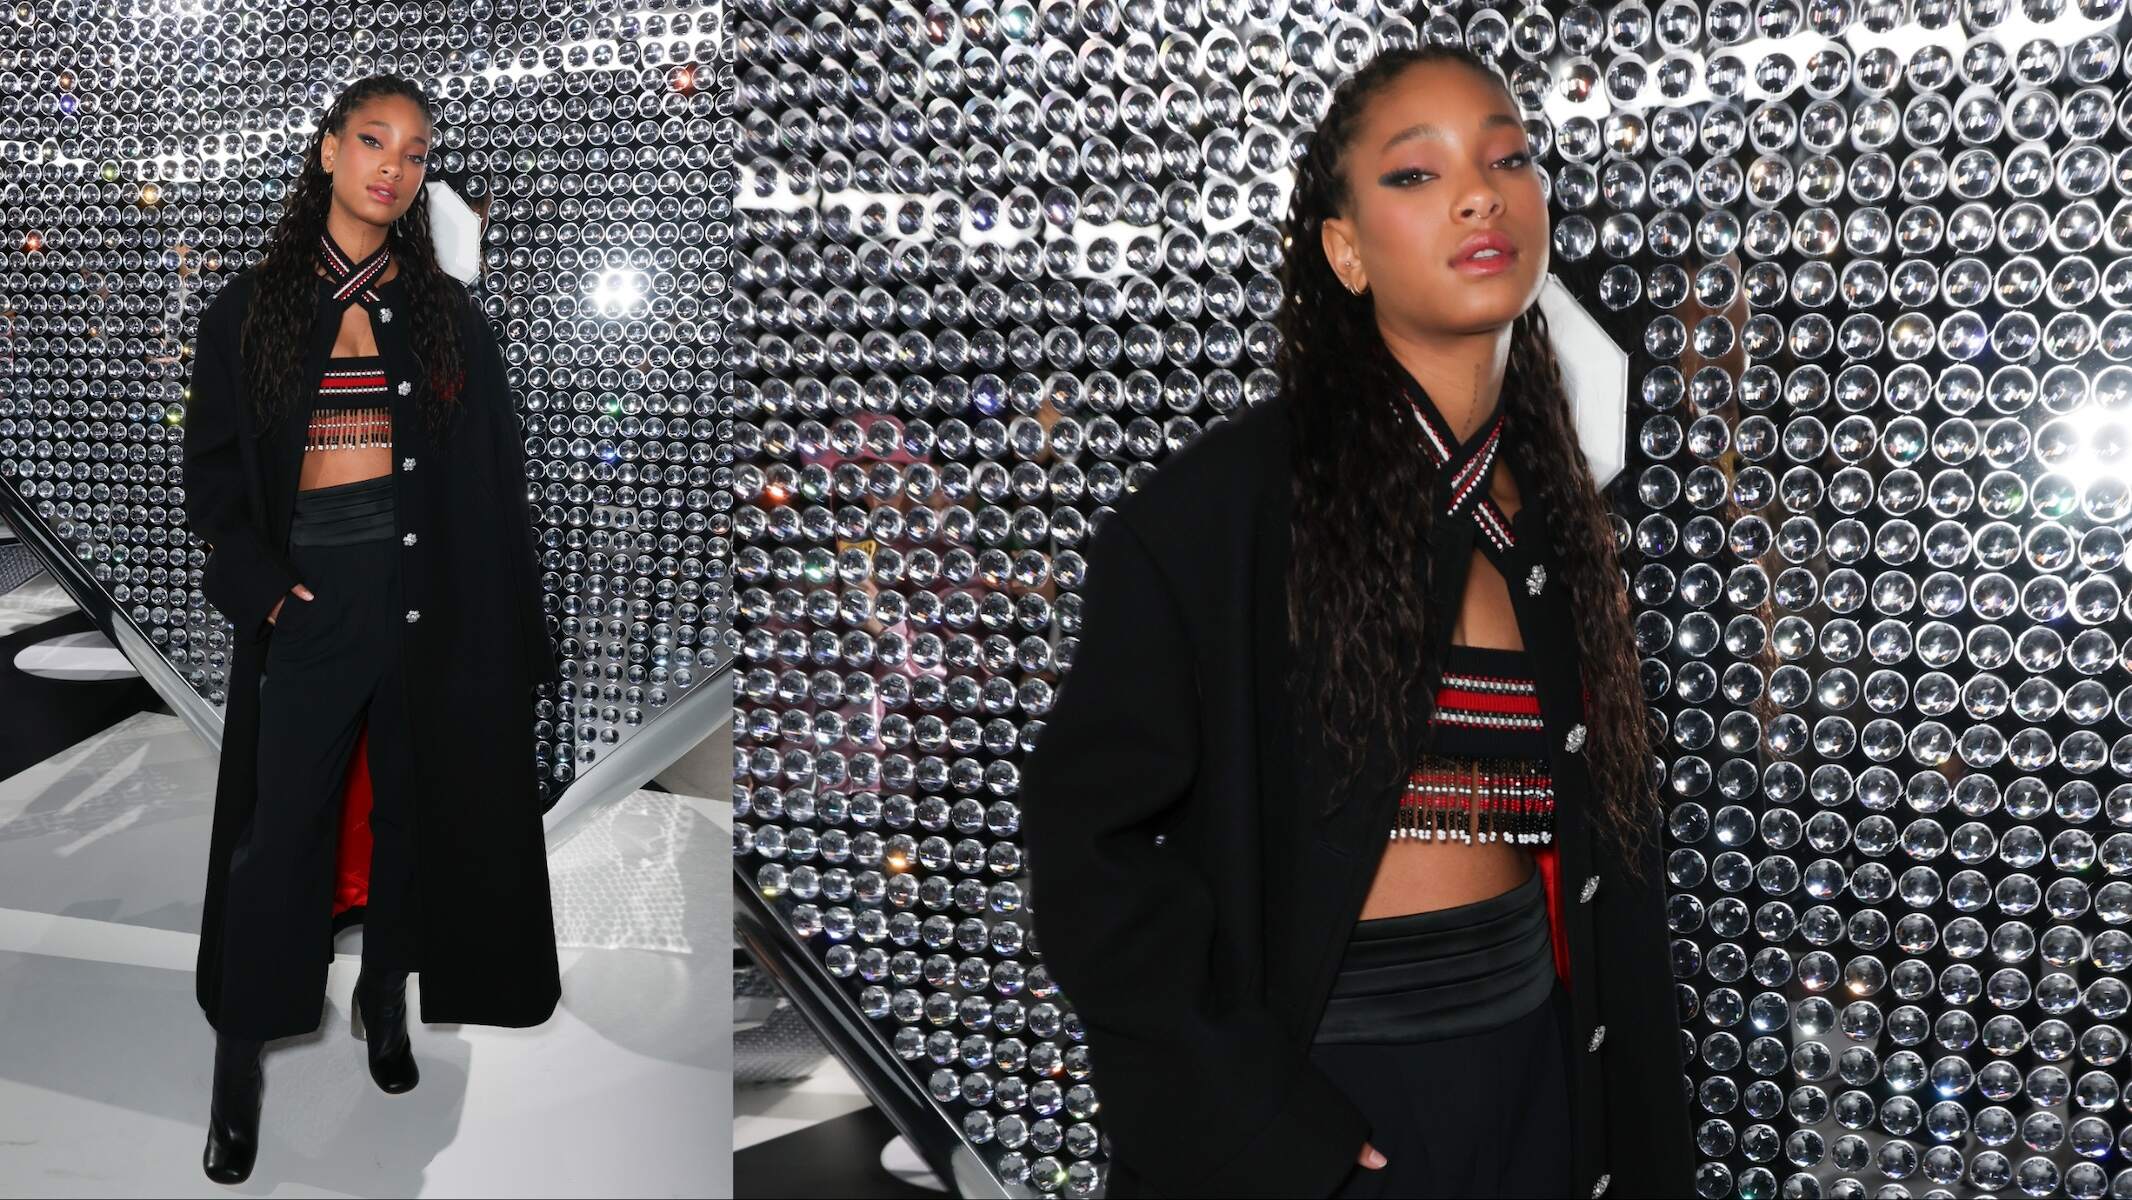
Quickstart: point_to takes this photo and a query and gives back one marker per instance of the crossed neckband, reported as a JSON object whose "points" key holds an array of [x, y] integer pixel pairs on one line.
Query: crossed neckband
{"points": [[1470, 463]]}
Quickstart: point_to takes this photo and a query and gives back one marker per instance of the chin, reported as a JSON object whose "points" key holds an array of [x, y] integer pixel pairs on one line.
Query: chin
{"points": [[1493, 312]]}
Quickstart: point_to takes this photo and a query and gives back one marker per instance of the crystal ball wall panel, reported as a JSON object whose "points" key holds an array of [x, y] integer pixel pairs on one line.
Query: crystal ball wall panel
{"points": [[999, 260], [145, 151]]}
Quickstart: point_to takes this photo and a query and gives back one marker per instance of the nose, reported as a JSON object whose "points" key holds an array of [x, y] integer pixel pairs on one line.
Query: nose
{"points": [[1479, 204]]}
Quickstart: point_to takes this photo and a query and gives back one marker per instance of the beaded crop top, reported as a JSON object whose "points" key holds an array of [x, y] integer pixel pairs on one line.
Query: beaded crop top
{"points": [[1485, 776], [352, 411]]}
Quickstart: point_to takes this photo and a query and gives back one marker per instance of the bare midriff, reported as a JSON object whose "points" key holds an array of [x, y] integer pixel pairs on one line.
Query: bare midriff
{"points": [[1421, 876], [324, 468]]}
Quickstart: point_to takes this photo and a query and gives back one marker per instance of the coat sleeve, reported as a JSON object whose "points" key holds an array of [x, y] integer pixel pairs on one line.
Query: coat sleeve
{"points": [[244, 577], [1201, 1090], [510, 449]]}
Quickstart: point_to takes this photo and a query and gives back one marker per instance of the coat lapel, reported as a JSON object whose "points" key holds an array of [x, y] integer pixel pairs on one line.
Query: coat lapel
{"points": [[284, 443], [1344, 849], [1339, 853]]}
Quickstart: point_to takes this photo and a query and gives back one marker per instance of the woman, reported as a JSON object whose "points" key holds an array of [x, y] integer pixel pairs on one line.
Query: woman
{"points": [[350, 442], [1342, 833]]}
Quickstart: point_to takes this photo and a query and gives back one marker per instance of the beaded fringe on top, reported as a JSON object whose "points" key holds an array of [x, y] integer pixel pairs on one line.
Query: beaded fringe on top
{"points": [[1464, 799], [350, 429]]}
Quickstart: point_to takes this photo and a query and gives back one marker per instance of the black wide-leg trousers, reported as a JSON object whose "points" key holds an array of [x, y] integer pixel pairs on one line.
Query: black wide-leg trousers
{"points": [[331, 664]]}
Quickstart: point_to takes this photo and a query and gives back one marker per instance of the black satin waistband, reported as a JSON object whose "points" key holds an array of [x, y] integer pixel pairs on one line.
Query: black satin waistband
{"points": [[1426, 976], [343, 514]]}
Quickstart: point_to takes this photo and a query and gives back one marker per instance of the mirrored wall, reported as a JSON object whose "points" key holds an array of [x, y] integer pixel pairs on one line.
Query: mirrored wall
{"points": [[999, 259]]}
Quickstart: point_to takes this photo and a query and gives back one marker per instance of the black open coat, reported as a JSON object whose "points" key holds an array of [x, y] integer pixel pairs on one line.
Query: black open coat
{"points": [[473, 654], [1192, 903]]}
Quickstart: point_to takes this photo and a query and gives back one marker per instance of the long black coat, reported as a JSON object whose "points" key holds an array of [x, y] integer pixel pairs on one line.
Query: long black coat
{"points": [[473, 654], [1192, 903]]}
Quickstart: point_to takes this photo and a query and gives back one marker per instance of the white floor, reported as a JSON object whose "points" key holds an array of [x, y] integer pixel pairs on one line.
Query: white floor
{"points": [[764, 1112], [33, 603], [105, 1060]]}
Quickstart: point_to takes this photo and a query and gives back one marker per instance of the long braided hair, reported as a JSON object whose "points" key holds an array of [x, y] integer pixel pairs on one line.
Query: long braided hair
{"points": [[285, 285], [1352, 578]]}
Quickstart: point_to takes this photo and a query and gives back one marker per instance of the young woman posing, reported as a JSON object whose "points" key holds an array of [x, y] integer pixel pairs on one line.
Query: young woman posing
{"points": [[1342, 828], [350, 442]]}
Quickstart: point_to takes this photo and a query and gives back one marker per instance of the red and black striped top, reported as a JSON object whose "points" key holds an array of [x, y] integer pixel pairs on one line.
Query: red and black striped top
{"points": [[354, 408], [1488, 706]]}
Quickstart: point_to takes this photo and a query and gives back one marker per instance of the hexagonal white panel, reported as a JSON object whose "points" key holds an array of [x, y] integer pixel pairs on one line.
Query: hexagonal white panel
{"points": [[1596, 373]]}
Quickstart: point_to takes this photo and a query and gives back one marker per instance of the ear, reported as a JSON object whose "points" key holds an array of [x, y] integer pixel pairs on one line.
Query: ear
{"points": [[1343, 253]]}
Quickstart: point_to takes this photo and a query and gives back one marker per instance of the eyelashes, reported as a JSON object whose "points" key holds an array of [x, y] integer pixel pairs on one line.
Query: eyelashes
{"points": [[1401, 178], [419, 160]]}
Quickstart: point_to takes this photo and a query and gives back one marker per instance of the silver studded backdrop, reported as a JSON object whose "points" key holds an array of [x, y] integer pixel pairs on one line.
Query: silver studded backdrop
{"points": [[144, 150], [998, 259]]}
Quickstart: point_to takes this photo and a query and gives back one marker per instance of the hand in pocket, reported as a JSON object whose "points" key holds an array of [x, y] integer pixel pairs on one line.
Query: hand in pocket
{"points": [[275, 613]]}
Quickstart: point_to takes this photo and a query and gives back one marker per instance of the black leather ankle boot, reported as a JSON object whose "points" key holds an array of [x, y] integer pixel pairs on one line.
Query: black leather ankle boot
{"points": [[381, 1021], [233, 1115]]}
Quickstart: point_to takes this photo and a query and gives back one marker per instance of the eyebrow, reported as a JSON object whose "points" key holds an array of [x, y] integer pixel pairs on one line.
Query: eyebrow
{"points": [[1423, 129], [387, 124]]}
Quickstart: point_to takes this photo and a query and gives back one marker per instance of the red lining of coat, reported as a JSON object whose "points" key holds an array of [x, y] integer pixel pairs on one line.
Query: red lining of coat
{"points": [[352, 882], [1549, 861]]}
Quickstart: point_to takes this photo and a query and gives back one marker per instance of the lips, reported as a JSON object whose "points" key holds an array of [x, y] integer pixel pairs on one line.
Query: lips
{"points": [[1488, 239], [385, 194]]}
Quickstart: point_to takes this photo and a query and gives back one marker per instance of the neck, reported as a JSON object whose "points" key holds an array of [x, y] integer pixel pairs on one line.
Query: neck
{"points": [[358, 238], [1463, 372]]}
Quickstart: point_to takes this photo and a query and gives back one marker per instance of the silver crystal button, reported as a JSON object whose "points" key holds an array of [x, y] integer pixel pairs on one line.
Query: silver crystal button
{"points": [[1575, 740], [1535, 579], [384, 314], [406, 387], [413, 615], [407, 464], [1591, 886], [409, 540], [1599, 1188], [1598, 1036]]}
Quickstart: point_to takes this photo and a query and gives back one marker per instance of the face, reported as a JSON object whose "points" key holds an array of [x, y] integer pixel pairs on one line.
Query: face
{"points": [[1440, 158], [378, 159]]}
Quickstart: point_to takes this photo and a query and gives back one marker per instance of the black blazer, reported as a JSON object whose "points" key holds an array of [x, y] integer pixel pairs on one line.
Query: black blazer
{"points": [[1191, 902]]}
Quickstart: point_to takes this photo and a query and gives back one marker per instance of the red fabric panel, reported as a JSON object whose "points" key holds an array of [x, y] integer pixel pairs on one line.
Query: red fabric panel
{"points": [[1550, 864], [352, 886], [1523, 704]]}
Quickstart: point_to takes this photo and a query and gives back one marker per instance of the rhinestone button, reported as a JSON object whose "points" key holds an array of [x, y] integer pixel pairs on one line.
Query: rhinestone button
{"points": [[409, 540], [1599, 1188], [1591, 885], [413, 615], [1535, 579], [1598, 1036], [384, 314], [1161, 838], [406, 387], [407, 464], [1575, 740]]}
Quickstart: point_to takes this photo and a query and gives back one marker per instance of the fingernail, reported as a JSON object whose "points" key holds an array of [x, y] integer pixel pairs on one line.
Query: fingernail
{"points": [[1376, 1157]]}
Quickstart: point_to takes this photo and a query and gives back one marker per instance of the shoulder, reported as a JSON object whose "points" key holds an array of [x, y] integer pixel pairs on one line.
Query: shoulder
{"points": [[1221, 475], [475, 332]]}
